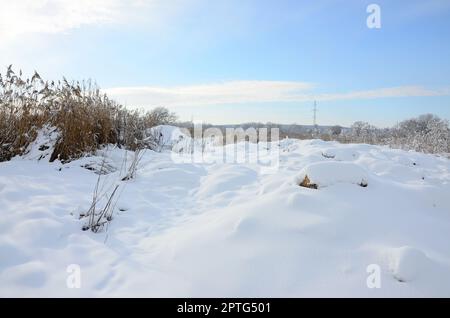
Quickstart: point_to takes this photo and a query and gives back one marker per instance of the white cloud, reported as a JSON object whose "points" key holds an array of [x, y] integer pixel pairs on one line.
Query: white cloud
{"points": [[400, 91], [218, 93], [238, 92], [21, 17]]}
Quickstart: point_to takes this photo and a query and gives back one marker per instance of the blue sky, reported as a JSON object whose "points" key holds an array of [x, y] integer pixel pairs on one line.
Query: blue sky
{"points": [[229, 61]]}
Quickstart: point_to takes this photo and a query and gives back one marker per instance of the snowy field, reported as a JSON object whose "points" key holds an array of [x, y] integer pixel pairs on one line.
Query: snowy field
{"points": [[210, 229]]}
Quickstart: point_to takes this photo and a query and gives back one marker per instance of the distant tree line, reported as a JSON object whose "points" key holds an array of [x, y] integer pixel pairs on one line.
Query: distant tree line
{"points": [[427, 133]]}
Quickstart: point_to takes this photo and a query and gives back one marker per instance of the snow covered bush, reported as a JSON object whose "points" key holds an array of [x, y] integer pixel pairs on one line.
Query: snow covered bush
{"points": [[363, 132], [85, 118], [427, 133], [327, 173]]}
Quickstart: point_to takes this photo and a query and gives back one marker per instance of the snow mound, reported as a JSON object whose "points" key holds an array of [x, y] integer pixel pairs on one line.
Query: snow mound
{"points": [[407, 263], [327, 173], [44, 144], [226, 178], [339, 154], [167, 135]]}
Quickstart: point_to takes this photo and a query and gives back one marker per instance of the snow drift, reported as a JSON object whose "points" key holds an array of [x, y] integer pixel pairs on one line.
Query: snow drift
{"points": [[166, 135], [329, 173], [227, 230]]}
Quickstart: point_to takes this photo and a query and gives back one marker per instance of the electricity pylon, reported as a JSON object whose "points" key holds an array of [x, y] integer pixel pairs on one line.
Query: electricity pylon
{"points": [[316, 128]]}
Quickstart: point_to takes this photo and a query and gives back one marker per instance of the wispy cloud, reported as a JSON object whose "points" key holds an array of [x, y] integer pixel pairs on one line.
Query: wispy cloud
{"points": [[390, 92], [21, 17], [232, 92], [239, 92]]}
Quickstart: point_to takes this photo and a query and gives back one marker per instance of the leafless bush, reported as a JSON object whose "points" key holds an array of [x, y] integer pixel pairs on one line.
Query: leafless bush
{"points": [[98, 217], [159, 116], [100, 214], [132, 169]]}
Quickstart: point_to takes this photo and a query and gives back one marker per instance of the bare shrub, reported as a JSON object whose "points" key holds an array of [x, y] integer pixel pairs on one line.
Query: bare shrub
{"points": [[159, 116], [132, 169], [100, 214]]}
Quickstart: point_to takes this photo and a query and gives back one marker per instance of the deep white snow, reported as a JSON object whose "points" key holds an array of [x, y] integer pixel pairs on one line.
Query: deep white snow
{"points": [[212, 228]]}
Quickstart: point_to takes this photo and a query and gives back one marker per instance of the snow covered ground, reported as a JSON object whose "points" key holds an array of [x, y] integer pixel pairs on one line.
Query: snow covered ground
{"points": [[212, 229]]}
